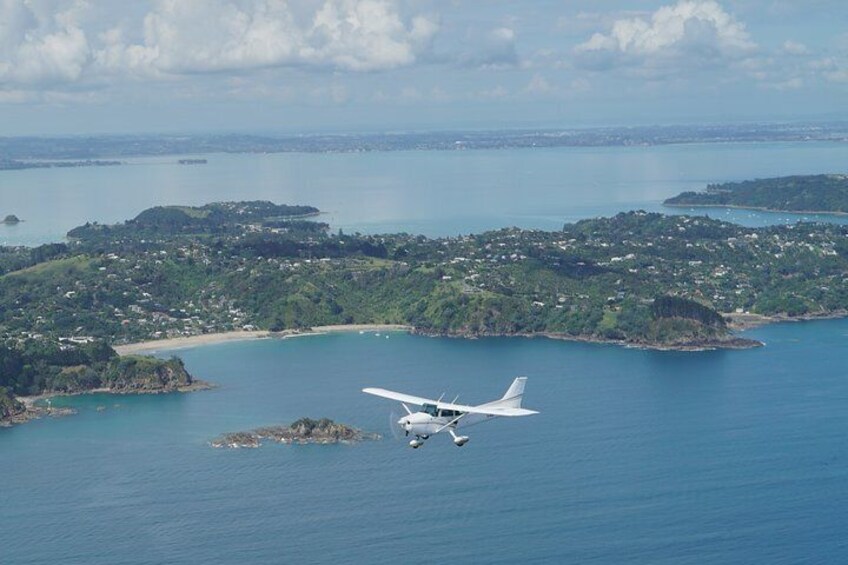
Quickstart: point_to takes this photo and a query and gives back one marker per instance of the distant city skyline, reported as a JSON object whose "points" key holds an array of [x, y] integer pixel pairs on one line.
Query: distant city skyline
{"points": [[87, 66]]}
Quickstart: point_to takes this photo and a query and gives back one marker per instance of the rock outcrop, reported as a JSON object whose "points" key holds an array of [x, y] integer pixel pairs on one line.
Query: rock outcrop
{"points": [[139, 374], [303, 431]]}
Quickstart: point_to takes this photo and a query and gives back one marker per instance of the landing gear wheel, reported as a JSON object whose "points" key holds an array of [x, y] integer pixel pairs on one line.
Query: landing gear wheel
{"points": [[459, 441]]}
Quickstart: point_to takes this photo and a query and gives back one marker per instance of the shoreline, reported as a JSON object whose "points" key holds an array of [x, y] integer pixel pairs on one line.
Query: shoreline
{"points": [[734, 342], [196, 385], [244, 335], [759, 209], [735, 321], [32, 411]]}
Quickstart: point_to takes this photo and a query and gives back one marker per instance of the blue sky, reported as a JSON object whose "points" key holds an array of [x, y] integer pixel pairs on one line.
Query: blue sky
{"points": [[91, 66]]}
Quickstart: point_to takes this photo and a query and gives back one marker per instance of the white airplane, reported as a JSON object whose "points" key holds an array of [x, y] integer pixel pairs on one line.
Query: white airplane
{"points": [[436, 416]]}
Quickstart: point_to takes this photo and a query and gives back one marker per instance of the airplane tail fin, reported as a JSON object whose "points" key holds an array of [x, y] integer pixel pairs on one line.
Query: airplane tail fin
{"points": [[514, 394]]}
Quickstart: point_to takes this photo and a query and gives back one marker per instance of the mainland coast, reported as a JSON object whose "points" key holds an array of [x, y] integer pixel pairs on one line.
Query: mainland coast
{"points": [[705, 344], [142, 347], [735, 321]]}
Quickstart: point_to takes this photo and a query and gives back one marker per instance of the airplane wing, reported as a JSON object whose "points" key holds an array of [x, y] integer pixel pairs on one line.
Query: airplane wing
{"points": [[417, 400], [399, 396], [488, 410]]}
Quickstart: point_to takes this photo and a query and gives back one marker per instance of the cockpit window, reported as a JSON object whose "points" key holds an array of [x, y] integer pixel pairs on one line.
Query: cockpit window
{"points": [[429, 409]]}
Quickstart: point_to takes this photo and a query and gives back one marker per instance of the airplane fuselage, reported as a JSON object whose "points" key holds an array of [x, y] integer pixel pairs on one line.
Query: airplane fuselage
{"points": [[423, 424]]}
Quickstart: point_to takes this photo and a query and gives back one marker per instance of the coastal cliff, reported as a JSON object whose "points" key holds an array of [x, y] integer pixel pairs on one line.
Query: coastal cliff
{"points": [[9, 405], [140, 374]]}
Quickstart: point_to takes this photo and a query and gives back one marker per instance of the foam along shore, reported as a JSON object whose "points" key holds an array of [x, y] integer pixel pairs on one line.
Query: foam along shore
{"points": [[242, 335]]}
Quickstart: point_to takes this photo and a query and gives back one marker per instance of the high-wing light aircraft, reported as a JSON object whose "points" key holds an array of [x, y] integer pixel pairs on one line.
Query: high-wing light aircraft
{"points": [[436, 416]]}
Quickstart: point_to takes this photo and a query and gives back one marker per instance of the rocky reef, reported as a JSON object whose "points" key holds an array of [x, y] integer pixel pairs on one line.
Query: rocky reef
{"points": [[303, 431], [13, 411]]}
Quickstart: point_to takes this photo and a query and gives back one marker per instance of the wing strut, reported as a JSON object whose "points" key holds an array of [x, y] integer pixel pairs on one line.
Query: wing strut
{"points": [[452, 422]]}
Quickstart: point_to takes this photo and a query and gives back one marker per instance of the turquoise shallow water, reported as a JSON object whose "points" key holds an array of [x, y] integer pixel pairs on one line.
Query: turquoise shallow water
{"points": [[637, 457]]}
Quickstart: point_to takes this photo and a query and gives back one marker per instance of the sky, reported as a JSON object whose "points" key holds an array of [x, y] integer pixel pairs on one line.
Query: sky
{"points": [[276, 66]]}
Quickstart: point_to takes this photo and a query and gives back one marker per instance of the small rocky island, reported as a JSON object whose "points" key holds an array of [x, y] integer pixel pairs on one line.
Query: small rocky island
{"points": [[303, 431], [14, 411], [11, 220]]}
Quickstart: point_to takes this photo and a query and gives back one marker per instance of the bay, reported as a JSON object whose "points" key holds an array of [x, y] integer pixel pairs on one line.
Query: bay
{"points": [[637, 456], [436, 193]]}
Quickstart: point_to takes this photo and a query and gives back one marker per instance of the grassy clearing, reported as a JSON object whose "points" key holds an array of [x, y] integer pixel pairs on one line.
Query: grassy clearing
{"points": [[52, 268]]}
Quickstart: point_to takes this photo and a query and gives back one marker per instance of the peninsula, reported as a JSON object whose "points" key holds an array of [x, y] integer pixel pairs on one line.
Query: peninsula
{"points": [[37, 366], [637, 279], [826, 194]]}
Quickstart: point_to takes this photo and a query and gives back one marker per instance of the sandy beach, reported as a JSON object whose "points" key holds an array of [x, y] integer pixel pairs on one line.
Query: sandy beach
{"points": [[737, 321], [223, 337]]}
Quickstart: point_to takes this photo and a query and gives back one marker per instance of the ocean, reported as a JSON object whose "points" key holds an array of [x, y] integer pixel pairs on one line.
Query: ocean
{"points": [[637, 456]]}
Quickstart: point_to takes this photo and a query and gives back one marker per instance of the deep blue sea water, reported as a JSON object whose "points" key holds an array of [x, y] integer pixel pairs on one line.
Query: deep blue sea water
{"points": [[637, 457]]}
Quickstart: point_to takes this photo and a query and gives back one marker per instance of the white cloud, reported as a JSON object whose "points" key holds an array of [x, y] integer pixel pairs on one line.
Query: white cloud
{"points": [[794, 48], [41, 43], [186, 36], [538, 85], [494, 50], [689, 32], [839, 75], [410, 93], [47, 41], [14, 96], [496, 93], [793, 83], [579, 85], [831, 68]]}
